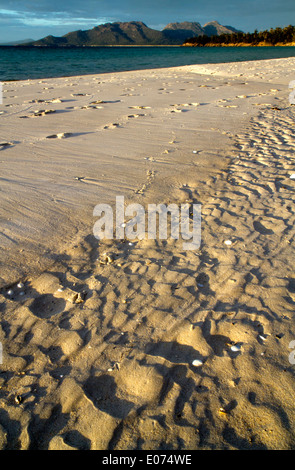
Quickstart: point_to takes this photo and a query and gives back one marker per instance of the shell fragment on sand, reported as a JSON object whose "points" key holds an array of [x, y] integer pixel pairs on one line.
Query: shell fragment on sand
{"points": [[77, 297], [197, 363], [228, 242], [235, 348]]}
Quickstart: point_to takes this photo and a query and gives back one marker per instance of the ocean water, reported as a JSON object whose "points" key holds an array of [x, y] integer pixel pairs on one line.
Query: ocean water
{"points": [[33, 63]]}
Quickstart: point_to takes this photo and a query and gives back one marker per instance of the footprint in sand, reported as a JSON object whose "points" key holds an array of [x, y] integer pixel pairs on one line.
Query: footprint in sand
{"points": [[80, 94], [39, 112], [183, 105], [4, 145], [62, 135], [115, 125], [43, 112], [53, 100], [262, 228], [47, 305], [102, 392], [139, 107], [134, 116], [227, 106], [91, 106], [150, 177], [97, 102]]}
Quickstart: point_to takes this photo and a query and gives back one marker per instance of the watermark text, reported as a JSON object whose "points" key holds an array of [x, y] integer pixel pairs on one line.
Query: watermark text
{"points": [[292, 353], [292, 94], [158, 221]]}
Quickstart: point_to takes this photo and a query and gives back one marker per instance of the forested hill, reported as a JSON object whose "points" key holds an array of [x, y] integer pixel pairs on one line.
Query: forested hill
{"points": [[273, 37]]}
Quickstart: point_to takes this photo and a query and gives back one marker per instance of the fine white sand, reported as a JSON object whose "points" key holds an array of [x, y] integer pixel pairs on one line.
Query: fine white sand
{"points": [[99, 350]]}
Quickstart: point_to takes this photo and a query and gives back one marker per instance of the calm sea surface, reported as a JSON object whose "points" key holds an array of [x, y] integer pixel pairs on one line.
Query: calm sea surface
{"points": [[24, 63]]}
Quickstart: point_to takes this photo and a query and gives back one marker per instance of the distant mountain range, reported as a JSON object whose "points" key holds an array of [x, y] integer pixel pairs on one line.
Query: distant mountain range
{"points": [[134, 33]]}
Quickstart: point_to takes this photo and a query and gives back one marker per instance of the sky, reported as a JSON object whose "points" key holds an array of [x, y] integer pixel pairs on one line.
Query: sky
{"points": [[35, 19]]}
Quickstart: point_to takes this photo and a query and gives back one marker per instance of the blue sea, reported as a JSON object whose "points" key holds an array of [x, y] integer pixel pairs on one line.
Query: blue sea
{"points": [[33, 63]]}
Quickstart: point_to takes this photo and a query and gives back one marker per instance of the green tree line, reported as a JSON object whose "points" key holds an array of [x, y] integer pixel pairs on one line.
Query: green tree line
{"points": [[272, 37]]}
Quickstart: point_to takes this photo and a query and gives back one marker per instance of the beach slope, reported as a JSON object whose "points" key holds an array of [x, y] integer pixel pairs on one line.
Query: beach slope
{"points": [[120, 345]]}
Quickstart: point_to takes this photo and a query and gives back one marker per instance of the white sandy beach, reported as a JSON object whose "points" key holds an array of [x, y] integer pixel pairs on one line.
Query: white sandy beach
{"points": [[98, 352]]}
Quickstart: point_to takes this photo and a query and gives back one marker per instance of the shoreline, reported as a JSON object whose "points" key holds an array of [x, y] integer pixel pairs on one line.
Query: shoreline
{"points": [[201, 66], [143, 70], [85, 47], [262, 44], [151, 344]]}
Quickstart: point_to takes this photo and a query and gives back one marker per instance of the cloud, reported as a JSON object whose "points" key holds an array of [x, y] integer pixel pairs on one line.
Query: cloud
{"points": [[8, 12], [62, 21], [53, 19], [56, 17]]}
